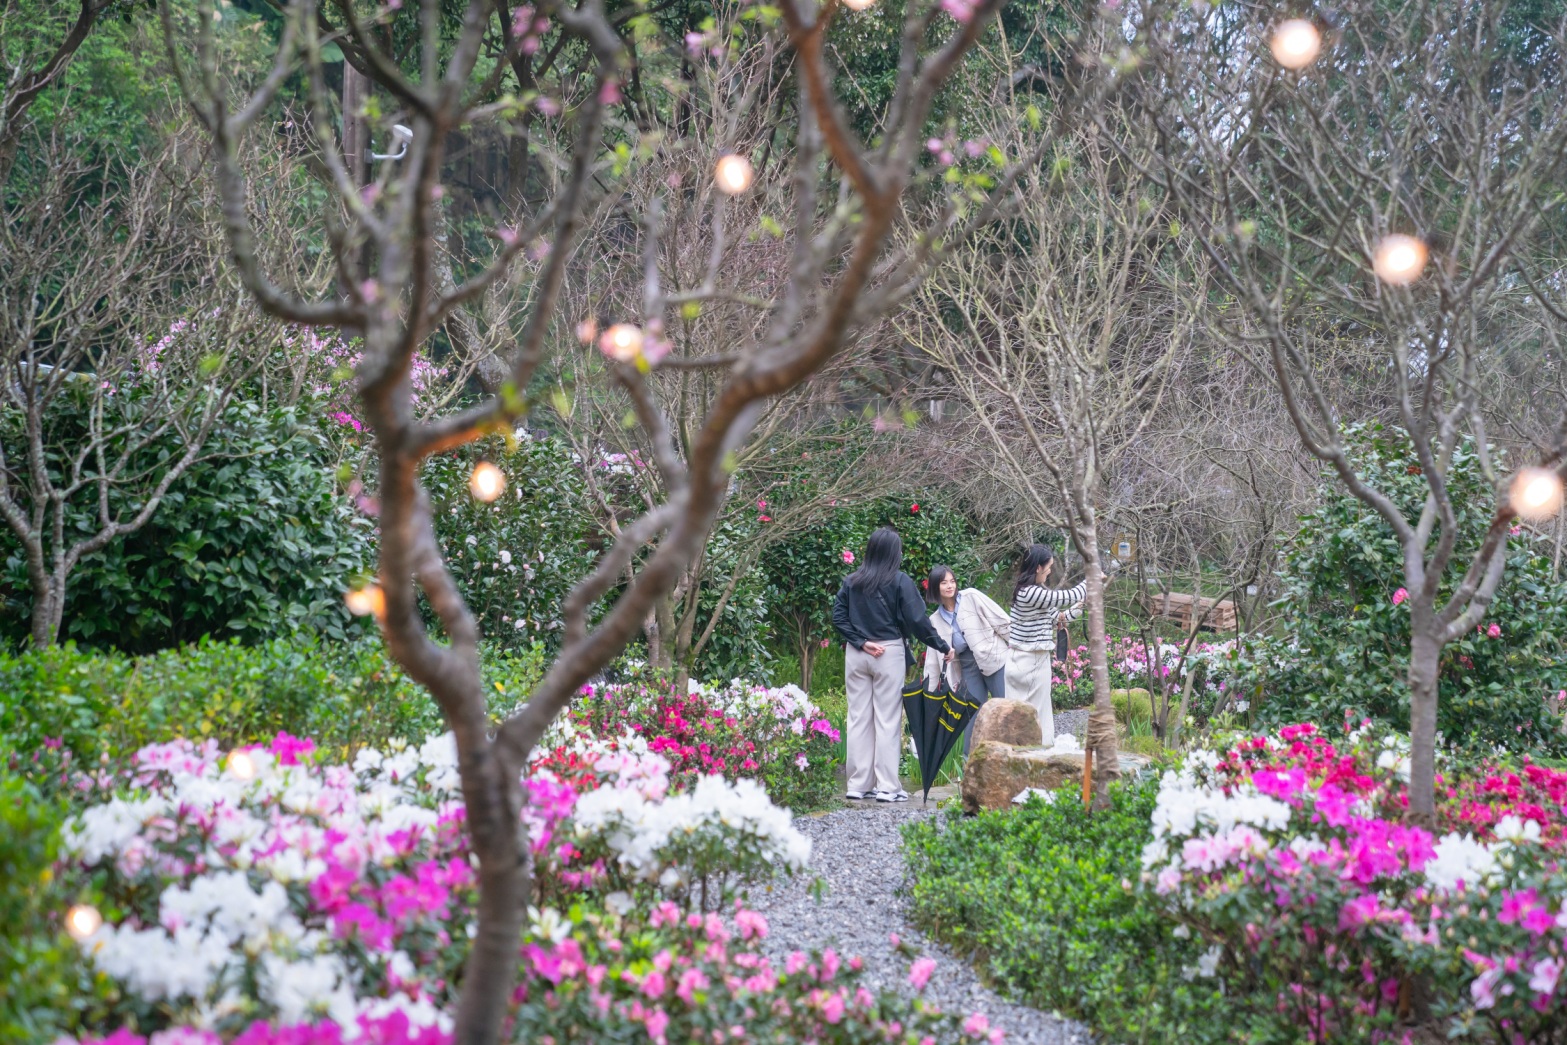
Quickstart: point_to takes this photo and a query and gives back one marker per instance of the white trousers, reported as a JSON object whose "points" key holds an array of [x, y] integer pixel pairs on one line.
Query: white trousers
{"points": [[875, 726], [1028, 678]]}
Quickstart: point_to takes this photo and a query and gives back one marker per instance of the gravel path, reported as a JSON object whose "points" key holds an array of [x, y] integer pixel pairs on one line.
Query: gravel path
{"points": [[1074, 722], [858, 851]]}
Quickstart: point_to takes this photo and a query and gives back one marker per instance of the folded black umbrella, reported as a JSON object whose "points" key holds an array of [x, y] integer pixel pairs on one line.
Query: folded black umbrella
{"points": [[936, 720]]}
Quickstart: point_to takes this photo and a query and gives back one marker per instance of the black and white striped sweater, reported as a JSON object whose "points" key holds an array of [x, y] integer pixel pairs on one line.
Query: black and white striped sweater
{"points": [[1035, 611]]}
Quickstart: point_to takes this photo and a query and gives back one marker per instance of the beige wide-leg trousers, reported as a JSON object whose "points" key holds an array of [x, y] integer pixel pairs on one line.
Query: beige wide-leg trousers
{"points": [[1028, 678], [875, 726]]}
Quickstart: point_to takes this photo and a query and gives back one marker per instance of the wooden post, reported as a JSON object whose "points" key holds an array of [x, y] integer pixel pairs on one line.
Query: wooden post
{"points": [[1088, 776], [356, 145]]}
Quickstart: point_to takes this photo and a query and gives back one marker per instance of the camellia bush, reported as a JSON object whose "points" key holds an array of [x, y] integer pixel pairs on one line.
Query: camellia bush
{"points": [[268, 896], [516, 557], [1343, 643], [1326, 914], [253, 541]]}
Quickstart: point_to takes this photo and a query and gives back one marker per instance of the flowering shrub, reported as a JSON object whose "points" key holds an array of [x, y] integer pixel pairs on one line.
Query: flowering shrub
{"points": [[1289, 855], [661, 977], [1344, 642], [273, 885], [269, 897], [775, 735], [1130, 659], [516, 558]]}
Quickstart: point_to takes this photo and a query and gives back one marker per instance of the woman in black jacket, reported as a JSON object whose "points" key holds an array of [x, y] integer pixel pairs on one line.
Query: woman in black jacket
{"points": [[878, 613]]}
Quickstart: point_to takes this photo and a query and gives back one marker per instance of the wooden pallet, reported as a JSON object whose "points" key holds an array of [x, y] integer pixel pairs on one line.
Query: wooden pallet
{"points": [[1214, 614]]}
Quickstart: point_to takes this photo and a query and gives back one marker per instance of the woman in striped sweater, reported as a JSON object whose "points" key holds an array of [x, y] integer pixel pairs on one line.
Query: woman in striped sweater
{"points": [[1035, 611]]}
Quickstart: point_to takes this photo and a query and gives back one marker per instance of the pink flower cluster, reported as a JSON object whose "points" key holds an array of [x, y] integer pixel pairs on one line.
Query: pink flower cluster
{"points": [[1296, 848]]}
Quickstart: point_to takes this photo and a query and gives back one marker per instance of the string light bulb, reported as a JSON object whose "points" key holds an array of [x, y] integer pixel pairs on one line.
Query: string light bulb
{"points": [[369, 600], [242, 765], [1398, 259], [1296, 43], [733, 174], [82, 920], [487, 482], [623, 341], [858, 5], [1536, 493]]}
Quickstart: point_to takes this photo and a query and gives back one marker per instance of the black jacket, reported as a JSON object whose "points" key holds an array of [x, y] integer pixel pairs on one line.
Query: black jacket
{"points": [[896, 611]]}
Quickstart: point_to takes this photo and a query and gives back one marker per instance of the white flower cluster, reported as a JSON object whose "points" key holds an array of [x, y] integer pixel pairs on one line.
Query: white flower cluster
{"points": [[1188, 810], [740, 814], [739, 698]]}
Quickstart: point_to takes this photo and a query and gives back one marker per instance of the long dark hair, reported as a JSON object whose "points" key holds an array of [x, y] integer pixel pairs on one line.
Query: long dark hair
{"points": [[938, 574], [883, 559], [1037, 555]]}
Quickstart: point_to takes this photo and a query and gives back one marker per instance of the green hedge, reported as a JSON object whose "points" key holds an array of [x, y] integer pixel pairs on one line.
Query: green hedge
{"points": [[43, 979], [1041, 897], [344, 696]]}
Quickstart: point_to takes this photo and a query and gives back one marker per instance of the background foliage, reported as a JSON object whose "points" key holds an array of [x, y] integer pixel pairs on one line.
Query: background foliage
{"points": [[1343, 645], [253, 541]]}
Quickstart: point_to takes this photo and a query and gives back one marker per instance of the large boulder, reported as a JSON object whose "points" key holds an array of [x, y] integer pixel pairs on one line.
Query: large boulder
{"points": [[996, 772], [1008, 722]]}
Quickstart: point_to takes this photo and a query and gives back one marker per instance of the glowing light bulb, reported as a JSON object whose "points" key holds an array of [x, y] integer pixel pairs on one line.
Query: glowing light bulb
{"points": [[242, 765], [487, 482], [1536, 493], [82, 921], [733, 174], [1296, 43], [1398, 259], [622, 341], [858, 5], [587, 330], [367, 600]]}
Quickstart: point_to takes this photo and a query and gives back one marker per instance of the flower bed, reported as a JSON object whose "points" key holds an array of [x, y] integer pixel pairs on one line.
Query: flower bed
{"points": [[268, 897], [1291, 857], [775, 735], [1129, 669]]}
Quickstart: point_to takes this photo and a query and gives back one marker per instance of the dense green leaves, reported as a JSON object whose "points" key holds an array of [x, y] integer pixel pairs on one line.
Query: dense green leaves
{"points": [[515, 558], [1345, 644], [1042, 896], [252, 541], [343, 695]]}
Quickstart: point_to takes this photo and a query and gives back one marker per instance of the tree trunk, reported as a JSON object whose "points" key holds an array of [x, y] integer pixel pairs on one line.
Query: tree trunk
{"points": [[1101, 733], [48, 611], [490, 971], [1425, 651]]}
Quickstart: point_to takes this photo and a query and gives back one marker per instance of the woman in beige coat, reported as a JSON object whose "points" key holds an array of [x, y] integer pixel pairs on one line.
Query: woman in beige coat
{"points": [[976, 629]]}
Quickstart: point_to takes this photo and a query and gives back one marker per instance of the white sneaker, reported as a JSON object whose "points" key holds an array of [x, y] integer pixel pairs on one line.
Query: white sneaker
{"points": [[891, 796], [854, 796]]}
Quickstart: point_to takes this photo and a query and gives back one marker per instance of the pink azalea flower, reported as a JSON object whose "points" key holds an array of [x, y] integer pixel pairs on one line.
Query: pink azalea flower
{"points": [[1400, 595], [920, 972]]}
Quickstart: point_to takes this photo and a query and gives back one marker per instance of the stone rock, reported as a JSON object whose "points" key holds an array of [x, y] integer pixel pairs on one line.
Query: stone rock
{"points": [[1008, 722], [996, 772]]}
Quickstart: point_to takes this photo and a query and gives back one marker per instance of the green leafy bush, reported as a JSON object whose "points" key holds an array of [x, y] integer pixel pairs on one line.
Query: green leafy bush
{"points": [[97, 704], [1344, 646], [1042, 897], [516, 558], [42, 978], [253, 540]]}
